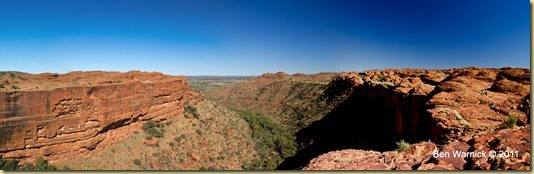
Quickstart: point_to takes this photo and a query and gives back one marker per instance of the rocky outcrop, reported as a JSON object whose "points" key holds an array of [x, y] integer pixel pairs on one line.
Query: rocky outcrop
{"points": [[421, 156], [451, 108], [56, 115], [453, 103], [351, 159]]}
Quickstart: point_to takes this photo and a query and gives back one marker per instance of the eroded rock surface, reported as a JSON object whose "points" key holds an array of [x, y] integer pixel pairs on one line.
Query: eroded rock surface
{"points": [[420, 156], [57, 115], [457, 109]]}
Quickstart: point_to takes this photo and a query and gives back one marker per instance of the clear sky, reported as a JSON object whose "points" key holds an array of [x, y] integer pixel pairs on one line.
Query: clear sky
{"points": [[252, 37]]}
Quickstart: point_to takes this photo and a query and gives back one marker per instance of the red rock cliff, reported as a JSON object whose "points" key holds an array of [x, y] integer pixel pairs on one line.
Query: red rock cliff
{"points": [[55, 115]]}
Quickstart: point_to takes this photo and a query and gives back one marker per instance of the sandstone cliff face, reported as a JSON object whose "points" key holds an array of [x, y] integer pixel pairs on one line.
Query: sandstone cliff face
{"points": [[73, 113], [443, 106]]}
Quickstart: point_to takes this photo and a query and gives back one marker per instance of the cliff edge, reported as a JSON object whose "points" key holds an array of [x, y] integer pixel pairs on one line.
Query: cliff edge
{"points": [[57, 115]]}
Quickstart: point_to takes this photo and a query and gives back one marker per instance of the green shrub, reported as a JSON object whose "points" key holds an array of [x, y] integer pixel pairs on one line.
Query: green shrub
{"points": [[511, 121], [2, 86], [14, 87], [402, 145], [154, 129], [191, 110], [11, 164], [40, 164], [137, 162]]}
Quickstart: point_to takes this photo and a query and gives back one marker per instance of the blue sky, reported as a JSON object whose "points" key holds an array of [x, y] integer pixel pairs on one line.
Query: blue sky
{"points": [[252, 37]]}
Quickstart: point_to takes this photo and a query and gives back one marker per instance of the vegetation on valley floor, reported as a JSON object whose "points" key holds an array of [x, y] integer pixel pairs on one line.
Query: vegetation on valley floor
{"points": [[273, 143]]}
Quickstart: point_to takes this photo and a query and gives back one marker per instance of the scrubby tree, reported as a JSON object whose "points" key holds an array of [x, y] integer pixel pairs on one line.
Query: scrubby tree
{"points": [[154, 129]]}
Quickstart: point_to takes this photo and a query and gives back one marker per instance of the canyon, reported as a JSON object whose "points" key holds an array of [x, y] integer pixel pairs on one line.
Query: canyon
{"points": [[443, 111], [331, 121], [371, 111]]}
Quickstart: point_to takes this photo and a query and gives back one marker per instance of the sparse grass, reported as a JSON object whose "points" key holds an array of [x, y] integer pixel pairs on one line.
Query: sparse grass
{"points": [[402, 145]]}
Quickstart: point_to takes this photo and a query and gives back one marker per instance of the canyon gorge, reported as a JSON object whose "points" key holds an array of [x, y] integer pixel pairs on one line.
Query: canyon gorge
{"points": [[331, 121]]}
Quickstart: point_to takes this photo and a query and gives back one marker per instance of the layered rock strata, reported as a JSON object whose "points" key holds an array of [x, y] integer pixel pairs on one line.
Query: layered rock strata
{"points": [[78, 112]]}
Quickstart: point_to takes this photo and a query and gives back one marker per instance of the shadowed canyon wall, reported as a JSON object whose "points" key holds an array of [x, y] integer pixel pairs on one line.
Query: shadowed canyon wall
{"points": [[372, 110], [456, 109]]}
